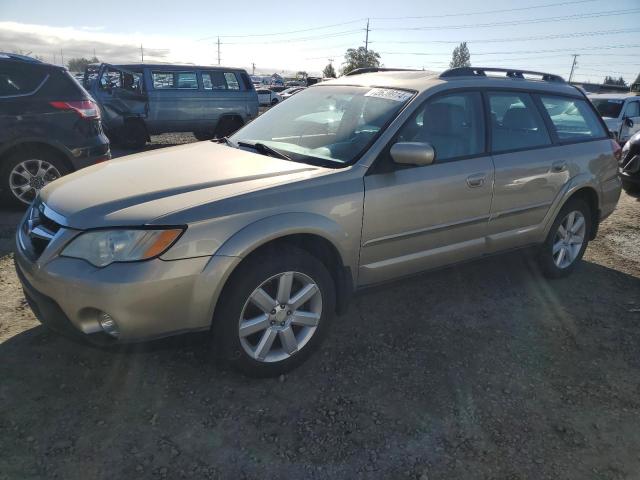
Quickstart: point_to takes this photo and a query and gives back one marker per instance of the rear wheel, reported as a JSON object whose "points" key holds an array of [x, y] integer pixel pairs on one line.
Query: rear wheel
{"points": [[274, 101], [274, 312], [26, 172], [630, 187], [567, 240], [228, 126]]}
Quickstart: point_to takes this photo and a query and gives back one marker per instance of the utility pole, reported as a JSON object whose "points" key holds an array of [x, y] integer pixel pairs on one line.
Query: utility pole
{"points": [[141, 54], [253, 68], [573, 65], [61, 58], [218, 50], [366, 40]]}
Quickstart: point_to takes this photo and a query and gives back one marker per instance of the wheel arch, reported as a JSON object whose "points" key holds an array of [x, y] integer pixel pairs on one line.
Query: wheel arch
{"points": [[57, 150], [590, 196], [313, 233], [579, 187]]}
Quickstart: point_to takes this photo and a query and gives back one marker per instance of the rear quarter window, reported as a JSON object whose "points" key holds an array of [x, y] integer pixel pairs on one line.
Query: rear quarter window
{"points": [[572, 119], [19, 80]]}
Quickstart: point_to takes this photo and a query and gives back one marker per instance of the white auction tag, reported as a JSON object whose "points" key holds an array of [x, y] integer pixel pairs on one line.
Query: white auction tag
{"points": [[389, 94]]}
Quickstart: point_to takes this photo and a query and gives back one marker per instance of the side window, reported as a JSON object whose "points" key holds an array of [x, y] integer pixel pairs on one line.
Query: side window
{"points": [[632, 110], [162, 80], [515, 122], [214, 81], [19, 81], [572, 118], [452, 124], [232, 81], [186, 80]]}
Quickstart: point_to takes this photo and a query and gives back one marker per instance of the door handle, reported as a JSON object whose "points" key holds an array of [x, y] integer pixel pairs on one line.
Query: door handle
{"points": [[476, 180], [560, 166]]}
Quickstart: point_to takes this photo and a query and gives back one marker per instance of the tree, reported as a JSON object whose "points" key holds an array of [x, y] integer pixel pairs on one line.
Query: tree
{"points": [[461, 56], [329, 72], [302, 75], [79, 64], [360, 58], [612, 81], [635, 86]]}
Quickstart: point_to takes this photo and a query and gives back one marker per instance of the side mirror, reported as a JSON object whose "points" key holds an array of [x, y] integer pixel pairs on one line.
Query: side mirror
{"points": [[628, 122], [413, 153]]}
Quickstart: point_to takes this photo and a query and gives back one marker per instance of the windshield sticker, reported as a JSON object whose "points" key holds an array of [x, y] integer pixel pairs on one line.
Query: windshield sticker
{"points": [[389, 94]]}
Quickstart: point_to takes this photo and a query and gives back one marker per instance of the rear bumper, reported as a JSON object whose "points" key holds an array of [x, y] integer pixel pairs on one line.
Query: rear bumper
{"points": [[86, 156]]}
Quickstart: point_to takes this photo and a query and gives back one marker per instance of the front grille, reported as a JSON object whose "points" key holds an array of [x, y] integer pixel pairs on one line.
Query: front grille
{"points": [[38, 230]]}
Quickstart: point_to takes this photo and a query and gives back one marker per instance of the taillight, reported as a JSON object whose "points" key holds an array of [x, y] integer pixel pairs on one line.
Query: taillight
{"points": [[617, 149], [84, 108]]}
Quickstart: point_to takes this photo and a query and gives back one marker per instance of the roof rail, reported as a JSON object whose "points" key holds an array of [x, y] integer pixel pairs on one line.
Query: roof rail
{"points": [[16, 56], [510, 72], [358, 71]]}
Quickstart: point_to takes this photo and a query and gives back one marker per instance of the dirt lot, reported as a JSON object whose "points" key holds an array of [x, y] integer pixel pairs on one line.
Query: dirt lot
{"points": [[480, 371]]}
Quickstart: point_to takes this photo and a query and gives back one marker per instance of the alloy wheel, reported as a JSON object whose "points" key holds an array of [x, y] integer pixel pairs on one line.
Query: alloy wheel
{"points": [[569, 239], [30, 176], [280, 317]]}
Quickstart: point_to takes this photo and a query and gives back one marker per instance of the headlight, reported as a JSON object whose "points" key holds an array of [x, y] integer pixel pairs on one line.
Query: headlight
{"points": [[103, 247]]}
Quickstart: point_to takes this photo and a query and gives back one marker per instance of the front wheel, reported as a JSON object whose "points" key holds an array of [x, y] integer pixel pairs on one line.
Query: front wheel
{"points": [[567, 240], [274, 312]]}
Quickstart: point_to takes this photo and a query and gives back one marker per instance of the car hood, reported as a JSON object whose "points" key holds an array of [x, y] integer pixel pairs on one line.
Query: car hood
{"points": [[136, 189]]}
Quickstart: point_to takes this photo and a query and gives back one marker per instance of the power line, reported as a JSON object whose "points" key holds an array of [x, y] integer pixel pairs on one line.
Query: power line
{"points": [[484, 12], [606, 13], [299, 39], [287, 32], [515, 52], [518, 39]]}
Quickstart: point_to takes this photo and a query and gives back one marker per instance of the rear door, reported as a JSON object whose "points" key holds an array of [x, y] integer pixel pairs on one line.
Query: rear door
{"points": [[417, 218], [226, 93], [535, 147]]}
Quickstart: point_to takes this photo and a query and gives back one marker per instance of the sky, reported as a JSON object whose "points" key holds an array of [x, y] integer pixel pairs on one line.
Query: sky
{"points": [[292, 36]]}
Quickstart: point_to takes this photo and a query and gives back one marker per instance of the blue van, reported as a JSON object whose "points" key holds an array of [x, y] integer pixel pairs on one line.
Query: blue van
{"points": [[139, 100]]}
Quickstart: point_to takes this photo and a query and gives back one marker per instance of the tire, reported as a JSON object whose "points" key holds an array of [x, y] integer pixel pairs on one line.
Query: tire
{"points": [[134, 135], [555, 264], [274, 101], [27, 171], [242, 352], [202, 136], [227, 126], [630, 187]]}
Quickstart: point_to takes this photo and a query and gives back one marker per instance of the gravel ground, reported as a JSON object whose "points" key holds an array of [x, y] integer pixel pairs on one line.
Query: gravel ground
{"points": [[481, 371]]}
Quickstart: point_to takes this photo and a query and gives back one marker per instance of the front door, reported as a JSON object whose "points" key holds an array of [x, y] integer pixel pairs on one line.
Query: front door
{"points": [[630, 120], [417, 218]]}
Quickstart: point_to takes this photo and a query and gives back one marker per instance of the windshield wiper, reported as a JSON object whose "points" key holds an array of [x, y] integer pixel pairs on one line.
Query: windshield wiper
{"points": [[266, 150]]}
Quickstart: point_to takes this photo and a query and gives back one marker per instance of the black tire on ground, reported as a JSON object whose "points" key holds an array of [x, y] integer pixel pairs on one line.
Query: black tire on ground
{"points": [[134, 135], [228, 126], [274, 101], [203, 135], [545, 255], [8, 163], [630, 187], [247, 277]]}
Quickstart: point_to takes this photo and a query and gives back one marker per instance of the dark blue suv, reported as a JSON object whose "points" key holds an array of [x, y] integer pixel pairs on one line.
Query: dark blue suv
{"points": [[49, 126]]}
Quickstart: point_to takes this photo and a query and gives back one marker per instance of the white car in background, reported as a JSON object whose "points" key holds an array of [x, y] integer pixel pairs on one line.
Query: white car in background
{"points": [[268, 97], [621, 113], [290, 91]]}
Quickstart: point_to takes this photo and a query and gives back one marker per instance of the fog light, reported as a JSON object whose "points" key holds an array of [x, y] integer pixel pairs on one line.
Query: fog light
{"points": [[108, 324]]}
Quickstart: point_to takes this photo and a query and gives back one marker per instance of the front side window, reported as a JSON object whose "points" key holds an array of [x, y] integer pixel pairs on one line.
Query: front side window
{"points": [[515, 122], [632, 110], [572, 118], [330, 125], [451, 124]]}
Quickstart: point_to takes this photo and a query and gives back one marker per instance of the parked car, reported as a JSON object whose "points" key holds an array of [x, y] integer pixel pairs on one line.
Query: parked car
{"points": [[262, 237], [621, 113], [49, 126], [144, 99], [290, 91], [277, 88], [268, 97], [630, 164]]}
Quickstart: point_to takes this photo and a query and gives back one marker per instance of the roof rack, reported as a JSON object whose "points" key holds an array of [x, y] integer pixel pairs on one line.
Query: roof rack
{"points": [[510, 72], [358, 71], [15, 56]]}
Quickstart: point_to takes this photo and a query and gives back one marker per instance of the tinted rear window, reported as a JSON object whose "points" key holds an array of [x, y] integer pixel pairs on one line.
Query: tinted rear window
{"points": [[573, 119], [608, 107], [20, 80]]}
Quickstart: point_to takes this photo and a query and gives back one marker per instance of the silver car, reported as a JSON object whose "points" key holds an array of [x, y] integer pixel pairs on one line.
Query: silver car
{"points": [[262, 237]]}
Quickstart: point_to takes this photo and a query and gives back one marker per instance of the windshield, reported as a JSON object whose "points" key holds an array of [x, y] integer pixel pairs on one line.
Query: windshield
{"points": [[608, 107], [331, 124]]}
